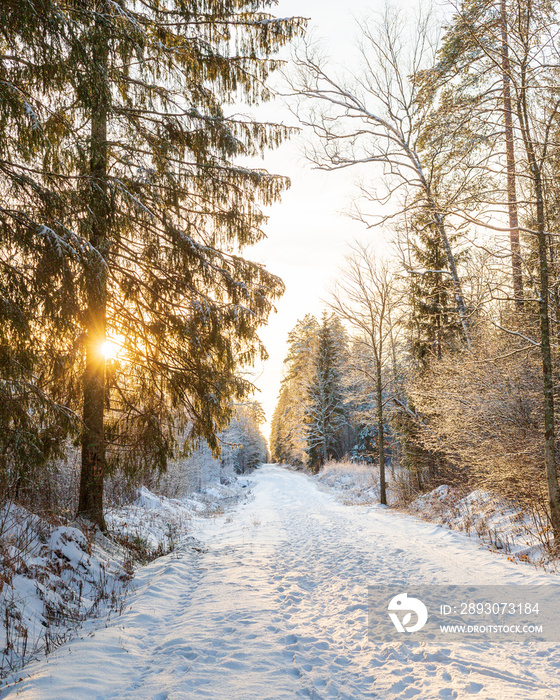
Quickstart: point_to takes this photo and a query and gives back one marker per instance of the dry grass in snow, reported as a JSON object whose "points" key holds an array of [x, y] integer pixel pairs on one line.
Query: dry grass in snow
{"points": [[357, 482]]}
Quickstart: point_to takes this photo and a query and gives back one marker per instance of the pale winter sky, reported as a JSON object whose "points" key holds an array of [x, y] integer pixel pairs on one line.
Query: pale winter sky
{"points": [[308, 233]]}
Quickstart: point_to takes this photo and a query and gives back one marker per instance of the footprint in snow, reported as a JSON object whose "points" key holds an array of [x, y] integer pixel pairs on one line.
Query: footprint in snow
{"points": [[473, 687]]}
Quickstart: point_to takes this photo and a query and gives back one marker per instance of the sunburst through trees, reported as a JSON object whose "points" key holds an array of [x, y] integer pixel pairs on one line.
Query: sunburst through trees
{"points": [[124, 216]]}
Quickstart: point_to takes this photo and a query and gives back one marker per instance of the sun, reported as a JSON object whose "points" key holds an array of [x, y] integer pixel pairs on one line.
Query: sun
{"points": [[112, 347]]}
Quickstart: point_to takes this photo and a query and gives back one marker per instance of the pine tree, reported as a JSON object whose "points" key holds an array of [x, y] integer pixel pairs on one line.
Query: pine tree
{"points": [[154, 214], [325, 414], [288, 433], [35, 278]]}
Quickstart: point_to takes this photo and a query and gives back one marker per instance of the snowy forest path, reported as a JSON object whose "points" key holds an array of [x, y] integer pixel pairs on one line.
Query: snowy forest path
{"points": [[273, 605]]}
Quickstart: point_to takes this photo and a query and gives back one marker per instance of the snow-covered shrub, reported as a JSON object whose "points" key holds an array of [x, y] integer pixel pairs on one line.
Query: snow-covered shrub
{"points": [[51, 579], [484, 414], [357, 481], [500, 523]]}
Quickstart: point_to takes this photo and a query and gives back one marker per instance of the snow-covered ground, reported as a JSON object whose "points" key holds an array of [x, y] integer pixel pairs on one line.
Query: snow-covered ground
{"points": [[272, 603], [51, 578], [54, 577], [501, 525], [161, 522]]}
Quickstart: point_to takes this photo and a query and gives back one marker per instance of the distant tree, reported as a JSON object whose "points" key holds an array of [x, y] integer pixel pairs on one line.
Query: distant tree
{"points": [[367, 297], [244, 444], [279, 442], [288, 433], [326, 419]]}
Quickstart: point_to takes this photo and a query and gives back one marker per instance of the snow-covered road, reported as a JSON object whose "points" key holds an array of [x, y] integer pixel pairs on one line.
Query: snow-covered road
{"points": [[274, 605]]}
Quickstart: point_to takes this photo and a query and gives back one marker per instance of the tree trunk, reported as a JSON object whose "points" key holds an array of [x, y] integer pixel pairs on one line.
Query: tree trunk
{"points": [[548, 387], [544, 292], [324, 449], [517, 275], [380, 434], [93, 438], [457, 289]]}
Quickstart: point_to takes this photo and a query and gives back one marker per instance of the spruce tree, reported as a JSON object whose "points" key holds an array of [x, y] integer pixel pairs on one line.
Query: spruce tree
{"points": [[325, 414], [35, 275], [434, 322], [154, 214], [288, 432]]}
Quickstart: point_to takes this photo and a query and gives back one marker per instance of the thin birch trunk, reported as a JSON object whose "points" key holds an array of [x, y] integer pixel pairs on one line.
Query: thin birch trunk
{"points": [[381, 434], [517, 275]]}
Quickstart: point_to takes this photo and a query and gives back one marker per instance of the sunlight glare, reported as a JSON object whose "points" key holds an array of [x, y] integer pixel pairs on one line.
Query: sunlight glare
{"points": [[111, 348]]}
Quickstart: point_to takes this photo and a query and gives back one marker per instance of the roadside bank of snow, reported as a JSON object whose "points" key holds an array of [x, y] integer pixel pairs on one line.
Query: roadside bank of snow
{"points": [[501, 526], [158, 523], [54, 577], [356, 483]]}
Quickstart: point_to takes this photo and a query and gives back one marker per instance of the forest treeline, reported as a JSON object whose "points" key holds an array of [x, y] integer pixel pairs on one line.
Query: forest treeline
{"points": [[449, 361], [124, 212]]}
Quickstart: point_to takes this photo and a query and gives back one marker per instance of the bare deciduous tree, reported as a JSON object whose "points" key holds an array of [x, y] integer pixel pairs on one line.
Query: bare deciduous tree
{"points": [[377, 118], [367, 297]]}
